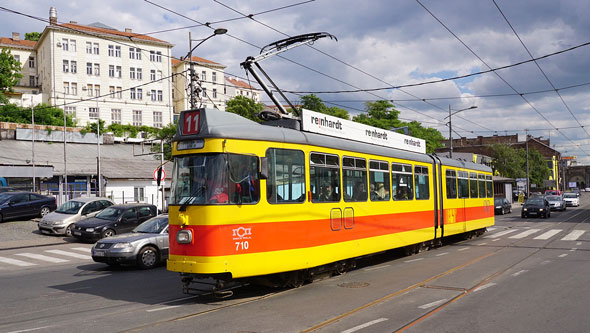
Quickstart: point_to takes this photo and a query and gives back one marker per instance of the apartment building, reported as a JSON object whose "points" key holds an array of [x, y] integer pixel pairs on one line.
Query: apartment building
{"points": [[95, 71], [210, 82], [235, 87]]}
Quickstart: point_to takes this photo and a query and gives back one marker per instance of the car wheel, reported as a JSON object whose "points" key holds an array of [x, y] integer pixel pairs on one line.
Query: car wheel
{"points": [[1, 218], [108, 233], [44, 211], [147, 258], [548, 214], [69, 230], [510, 209], [523, 216], [502, 211]]}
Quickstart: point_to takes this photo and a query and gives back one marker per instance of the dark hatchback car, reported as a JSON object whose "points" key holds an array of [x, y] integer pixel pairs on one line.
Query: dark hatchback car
{"points": [[116, 219], [25, 204], [502, 206], [537, 206]]}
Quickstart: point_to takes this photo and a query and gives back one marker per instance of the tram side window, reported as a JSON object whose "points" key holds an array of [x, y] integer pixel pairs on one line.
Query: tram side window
{"points": [[401, 181], [482, 185], [463, 184], [243, 175], [421, 182], [473, 185], [489, 187], [354, 178], [286, 176], [324, 177], [451, 184], [379, 181]]}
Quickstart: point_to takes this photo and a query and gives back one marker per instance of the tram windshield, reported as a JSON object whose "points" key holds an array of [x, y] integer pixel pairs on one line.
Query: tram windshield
{"points": [[206, 179]]}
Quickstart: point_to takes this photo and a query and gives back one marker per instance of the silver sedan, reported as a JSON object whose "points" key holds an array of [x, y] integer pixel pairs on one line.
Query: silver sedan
{"points": [[146, 246]]}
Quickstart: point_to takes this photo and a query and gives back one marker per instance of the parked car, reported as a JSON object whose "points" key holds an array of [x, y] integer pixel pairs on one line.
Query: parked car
{"points": [[556, 202], [25, 204], [146, 246], [116, 219], [7, 189], [552, 192], [537, 206], [571, 199], [60, 222], [502, 206]]}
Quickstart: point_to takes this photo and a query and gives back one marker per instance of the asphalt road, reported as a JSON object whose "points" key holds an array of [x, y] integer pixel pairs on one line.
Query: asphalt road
{"points": [[522, 275]]}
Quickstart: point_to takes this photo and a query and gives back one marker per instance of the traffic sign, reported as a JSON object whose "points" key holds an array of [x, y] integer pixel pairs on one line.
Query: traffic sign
{"points": [[162, 176]]}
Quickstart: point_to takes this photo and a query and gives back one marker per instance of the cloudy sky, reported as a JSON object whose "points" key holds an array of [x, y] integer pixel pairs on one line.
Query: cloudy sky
{"points": [[384, 45]]}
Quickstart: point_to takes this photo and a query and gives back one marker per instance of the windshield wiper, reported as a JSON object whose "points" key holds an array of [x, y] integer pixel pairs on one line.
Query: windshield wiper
{"points": [[191, 197]]}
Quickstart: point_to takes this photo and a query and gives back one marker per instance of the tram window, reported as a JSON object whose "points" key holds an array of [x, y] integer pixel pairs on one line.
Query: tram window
{"points": [[421, 182], [324, 178], [401, 181], [379, 181], [482, 185], [286, 176], [473, 185], [243, 175], [451, 184], [489, 187], [354, 179], [463, 184]]}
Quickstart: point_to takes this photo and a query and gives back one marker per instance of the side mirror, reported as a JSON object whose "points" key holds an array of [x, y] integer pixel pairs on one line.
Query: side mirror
{"points": [[263, 168]]}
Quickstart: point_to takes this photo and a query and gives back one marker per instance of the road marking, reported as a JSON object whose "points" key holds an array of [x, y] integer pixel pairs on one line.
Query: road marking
{"points": [[16, 262], [501, 233], [578, 243], [492, 229], [519, 272], [412, 260], [360, 327], [70, 254], [525, 234], [485, 286], [163, 308], [573, 249], [463, 249], [574, 235], [563, 255], [495, 240], [83, 249], [482, 244], [31, 329], [548, 234], [442, 254], [374, 268], [435, 303], [42, 257]]}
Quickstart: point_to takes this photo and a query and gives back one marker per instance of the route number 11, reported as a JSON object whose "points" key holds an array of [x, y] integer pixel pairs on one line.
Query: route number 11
{"points": [[191, 123]]}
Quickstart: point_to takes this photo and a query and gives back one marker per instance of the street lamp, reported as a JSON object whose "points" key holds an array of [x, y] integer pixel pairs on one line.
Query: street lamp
{"points": [[451, 128], [218, 31]]}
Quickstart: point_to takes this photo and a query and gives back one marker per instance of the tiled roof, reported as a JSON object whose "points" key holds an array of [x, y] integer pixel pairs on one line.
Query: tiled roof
{"points": [[131, 35], [239, 83], [20, 42], [197, 60]]}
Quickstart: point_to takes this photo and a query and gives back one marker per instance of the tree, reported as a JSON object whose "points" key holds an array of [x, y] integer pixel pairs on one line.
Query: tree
{"points": [[245, 107], [34, 36], [382, 114], [314, 103], [538, 170], [9, 73], [508, 161], [166, 134], [44, 114]]}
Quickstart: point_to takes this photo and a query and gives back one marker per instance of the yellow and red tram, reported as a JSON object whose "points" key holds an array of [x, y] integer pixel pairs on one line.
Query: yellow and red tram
{"points": [[251, 200]]}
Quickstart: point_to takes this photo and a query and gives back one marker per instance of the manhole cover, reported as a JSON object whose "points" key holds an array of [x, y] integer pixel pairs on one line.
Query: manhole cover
{"points": [[353, 285]]}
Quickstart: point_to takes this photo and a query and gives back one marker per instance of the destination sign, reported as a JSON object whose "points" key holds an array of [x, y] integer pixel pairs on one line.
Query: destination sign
{"points": [[320, 123]]}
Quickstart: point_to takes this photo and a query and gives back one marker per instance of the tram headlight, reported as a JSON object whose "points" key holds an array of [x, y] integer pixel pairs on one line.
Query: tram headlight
{"points": [[184, 236]]}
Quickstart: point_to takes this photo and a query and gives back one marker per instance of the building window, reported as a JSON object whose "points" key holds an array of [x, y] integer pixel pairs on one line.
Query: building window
{"points": [[89, 47], [32, 80], [97, 69], [74, 89], [135, 53], [16, 57], [66, 66], [153, 95], [139, 93], [139, 74], [136, 118], [158, 56], [160, 96], [152, 55], [96, 90], [214, 93], [71, 111], [132, 73], [132, 93], [89, 68], [73, 45], [111, 50], [118, 51], [111, 70], [152, 75], [204, 92], [119, 92], [116, 116], [159, 76], [214, 77], [112, 91], [95, 49], [66, 88], [32, 62], [118, 71], [204, 76], [64, 44], [157, 119], [73, 67], [138, 194], [89, 90], [93, 113]]}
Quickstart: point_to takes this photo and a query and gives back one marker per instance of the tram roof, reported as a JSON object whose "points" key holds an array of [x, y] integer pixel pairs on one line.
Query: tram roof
{"points": [[220, 124]]}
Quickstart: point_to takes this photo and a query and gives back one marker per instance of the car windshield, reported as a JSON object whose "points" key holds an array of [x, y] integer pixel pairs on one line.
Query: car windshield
{"points": [[70, 207], [570, 195], [553, 198], [109, 213], [497, 201], [4, 197], [535, 201], [155, 225]]}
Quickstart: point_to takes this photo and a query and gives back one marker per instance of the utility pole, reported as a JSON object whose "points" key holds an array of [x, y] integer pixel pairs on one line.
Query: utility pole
{"points": [[527, 163], [450, 134], [193, 75], [33, 157], [65, 186]]}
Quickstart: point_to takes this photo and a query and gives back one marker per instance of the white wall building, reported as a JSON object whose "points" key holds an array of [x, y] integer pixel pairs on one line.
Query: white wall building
{"points": [[235, 87], [210, 79]]}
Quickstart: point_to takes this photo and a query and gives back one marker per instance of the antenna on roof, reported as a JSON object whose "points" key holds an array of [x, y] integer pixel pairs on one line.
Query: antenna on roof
{"points": [[273, 49]]}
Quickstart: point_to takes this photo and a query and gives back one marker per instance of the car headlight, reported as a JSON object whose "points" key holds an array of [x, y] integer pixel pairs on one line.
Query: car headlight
{"points": [[125, 246], [525, 209], [540, 209], [184, 236], [89, 229], [498, 206]]}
